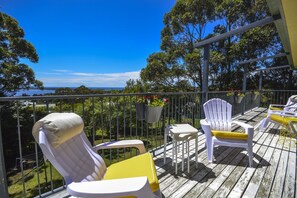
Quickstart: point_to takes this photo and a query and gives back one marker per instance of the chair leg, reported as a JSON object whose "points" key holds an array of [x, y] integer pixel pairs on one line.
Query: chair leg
{"points": [[263, 125], [209, 151], [250, 153], [291, 127]]}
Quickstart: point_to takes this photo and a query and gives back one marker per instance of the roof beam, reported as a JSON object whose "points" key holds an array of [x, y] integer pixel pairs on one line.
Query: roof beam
{"points": [[262, 58], [243, 29], [271, 68]]}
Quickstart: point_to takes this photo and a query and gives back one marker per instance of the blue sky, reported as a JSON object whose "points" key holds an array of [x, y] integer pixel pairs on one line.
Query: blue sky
{"points": [[96, 43]]}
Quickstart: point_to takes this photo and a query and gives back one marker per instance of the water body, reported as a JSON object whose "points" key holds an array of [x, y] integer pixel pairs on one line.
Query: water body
{"points": [[51, 90], [32, 92]]}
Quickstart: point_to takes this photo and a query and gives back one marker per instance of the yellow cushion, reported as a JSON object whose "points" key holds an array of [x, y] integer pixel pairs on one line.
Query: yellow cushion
{"points": [[141, 165], [283, 120], [276, 108], [229, 135]]}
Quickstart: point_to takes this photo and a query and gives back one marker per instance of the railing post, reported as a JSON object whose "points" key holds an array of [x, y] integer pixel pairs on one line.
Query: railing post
{"points": [[205, 76], [260, 88], [242, 105], [3, 179]]}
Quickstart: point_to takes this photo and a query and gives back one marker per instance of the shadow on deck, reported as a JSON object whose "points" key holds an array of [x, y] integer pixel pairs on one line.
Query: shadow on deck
{"points": [[273, 173]]}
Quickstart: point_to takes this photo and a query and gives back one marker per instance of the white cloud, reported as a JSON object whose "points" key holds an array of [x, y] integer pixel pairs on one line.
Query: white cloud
{"points": [[74, 79], [62, 70]]}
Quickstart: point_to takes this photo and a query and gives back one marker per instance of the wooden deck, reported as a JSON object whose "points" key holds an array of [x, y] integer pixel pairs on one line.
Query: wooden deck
{"points": [[273, 173]]}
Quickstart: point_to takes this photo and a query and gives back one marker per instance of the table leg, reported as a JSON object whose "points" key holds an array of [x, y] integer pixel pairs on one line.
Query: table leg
{"points": [[183, 155], [165, 145], [196, 150], [188, 151], [175, 148]]}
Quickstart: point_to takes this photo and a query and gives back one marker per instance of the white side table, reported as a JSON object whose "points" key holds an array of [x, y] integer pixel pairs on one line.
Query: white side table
{"points": [[181, 132]]}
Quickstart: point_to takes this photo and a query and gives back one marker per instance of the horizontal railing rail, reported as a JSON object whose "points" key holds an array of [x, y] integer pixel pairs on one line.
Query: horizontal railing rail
{"points": [[107, 117], [276, 96]]}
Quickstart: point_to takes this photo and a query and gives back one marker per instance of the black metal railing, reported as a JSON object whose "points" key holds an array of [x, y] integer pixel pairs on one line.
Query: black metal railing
{"points": [[107, 117], [276, 96]]}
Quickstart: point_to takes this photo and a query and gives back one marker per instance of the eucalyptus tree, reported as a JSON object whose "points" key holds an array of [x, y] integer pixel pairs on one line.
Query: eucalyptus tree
{"points": [[178, 65], [14, 74], [257, 42]]}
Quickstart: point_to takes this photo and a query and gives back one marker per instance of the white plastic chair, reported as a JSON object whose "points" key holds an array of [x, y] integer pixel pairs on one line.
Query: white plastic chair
{"points": [[65, 145], [217, 129], [285, 115]]}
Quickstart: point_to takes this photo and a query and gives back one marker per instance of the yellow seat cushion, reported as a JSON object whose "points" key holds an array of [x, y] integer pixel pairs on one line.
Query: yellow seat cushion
{"points": [[276, 108], [229, 135], [140, 165], [283, 120]]}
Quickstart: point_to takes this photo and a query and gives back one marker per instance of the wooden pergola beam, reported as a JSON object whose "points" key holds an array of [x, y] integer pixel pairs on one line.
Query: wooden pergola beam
{"points": [[241, 30]]}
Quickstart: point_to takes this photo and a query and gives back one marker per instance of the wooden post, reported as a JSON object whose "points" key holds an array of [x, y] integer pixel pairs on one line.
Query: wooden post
{"points": [[242, 105], [205, 76], [3, 179], [260, 88]]}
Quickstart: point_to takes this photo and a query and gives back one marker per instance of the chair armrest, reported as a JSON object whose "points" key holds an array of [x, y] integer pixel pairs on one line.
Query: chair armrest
{"points": [[277, 105], [137, 186], [283, 112], [288, 113], [249, 129], [278, 111], [206, 128], [204, 123], [122, 144]]}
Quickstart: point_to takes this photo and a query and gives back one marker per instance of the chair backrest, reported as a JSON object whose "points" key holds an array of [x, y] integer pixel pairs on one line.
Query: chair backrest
{"points": [[218, 114], [67, 147], [292, 102]]}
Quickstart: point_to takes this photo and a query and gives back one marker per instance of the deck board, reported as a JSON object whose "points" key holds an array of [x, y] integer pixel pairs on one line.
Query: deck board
{"points": [[255, 175], [273, 173], [290, 174], [231, 174], [222, 161]]}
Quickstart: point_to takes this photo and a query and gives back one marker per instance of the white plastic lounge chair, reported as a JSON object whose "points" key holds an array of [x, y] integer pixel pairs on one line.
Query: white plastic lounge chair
{"points": [[217, 129], [285, 115], [65, 145]]}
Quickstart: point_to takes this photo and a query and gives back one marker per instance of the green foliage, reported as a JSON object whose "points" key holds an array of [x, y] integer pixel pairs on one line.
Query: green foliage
{"points": [[81, 90], [155, 101], [178, 66], [230, 93], [257, 42], [235, 93], [64, 91], [135, 86], [15, 75], [240, 94]]}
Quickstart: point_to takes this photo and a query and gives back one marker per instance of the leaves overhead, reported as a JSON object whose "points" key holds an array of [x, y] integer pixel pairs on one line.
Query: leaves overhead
{"points": [[178, 66], [13, 47]]}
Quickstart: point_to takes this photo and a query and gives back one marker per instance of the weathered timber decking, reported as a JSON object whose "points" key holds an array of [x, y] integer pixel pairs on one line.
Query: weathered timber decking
{"points": [[273, 173]]}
